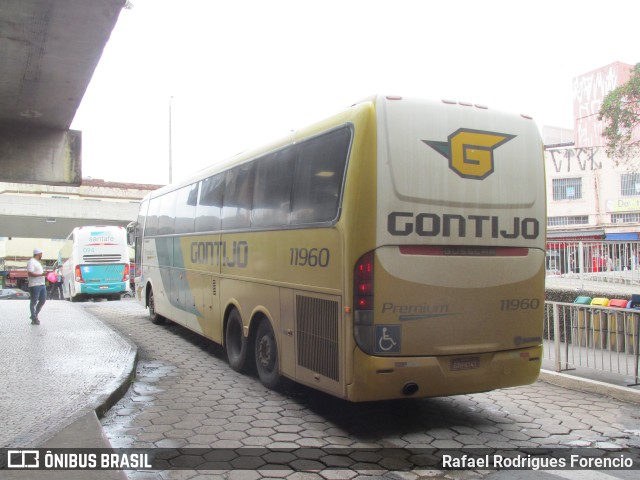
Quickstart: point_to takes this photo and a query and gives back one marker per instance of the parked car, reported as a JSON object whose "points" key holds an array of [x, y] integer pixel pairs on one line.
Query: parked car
{"points": [[13, 294]]}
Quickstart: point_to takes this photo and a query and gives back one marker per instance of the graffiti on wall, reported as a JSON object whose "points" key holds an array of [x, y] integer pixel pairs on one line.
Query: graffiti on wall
{"points": [[589, 91], [567, 160]]}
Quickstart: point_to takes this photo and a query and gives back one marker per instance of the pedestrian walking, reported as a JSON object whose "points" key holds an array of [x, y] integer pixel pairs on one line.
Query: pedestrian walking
{"points": [[37, 287], [55, 285]]}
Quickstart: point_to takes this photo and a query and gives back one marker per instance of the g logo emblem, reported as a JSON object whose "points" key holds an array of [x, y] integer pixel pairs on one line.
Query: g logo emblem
{"points": [[470, 152]]}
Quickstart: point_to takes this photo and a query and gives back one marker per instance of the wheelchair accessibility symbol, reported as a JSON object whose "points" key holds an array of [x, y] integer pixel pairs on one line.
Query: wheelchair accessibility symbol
{"points": [[388, 338]]}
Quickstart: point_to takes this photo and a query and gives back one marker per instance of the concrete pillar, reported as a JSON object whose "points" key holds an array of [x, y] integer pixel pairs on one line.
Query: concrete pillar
{"points": [[40, 155]]}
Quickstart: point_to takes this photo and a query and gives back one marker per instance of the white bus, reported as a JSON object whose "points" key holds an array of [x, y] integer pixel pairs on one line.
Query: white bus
{"points": [[396, 249], [94, 262]]}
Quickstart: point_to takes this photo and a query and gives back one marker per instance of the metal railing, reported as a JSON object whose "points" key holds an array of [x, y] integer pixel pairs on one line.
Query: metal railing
{"points": [[577, 262], [590, 336]]}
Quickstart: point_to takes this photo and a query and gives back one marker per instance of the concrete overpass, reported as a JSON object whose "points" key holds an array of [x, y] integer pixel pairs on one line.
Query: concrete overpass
{"points": [[49, 50], [56, 217], [42, 211]]}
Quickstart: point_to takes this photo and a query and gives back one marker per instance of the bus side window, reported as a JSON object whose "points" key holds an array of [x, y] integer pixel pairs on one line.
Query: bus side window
{"points": [[208, 215], [272, 189], [167, 213], [186, 208], [238, 196], [318, 179], [151, 224]]}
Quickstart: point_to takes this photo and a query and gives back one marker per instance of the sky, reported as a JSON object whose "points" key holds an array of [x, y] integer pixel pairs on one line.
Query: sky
{"points": [[230, 75]]}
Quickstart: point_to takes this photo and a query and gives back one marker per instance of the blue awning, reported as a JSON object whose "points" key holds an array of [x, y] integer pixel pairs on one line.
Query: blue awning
{"points": [[622, 236]]}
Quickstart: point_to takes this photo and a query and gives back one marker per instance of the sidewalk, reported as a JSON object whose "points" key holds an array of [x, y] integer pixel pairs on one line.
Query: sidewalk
{"points": [[611, 289], [58, 376], [592, 381]]}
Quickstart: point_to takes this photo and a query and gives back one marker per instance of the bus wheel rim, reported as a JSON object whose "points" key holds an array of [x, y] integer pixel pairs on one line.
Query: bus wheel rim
{"points": [[265, 353], [152, 307]]}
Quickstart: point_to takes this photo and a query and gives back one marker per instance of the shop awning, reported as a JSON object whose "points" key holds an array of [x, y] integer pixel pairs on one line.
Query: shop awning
{"points": [[623, 236], [575, 235], [17, 274]]}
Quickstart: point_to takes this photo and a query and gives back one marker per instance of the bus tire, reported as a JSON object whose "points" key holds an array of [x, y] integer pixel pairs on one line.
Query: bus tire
{"points": [[236, 344], [266, 355], [156, 318]]}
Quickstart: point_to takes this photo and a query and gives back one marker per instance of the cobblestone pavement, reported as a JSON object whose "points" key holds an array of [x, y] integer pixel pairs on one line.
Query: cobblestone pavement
{"points": [[185, 395]]}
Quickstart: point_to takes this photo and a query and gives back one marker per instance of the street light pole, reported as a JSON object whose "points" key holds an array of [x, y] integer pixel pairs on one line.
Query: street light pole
{"points": [[170, 139]]}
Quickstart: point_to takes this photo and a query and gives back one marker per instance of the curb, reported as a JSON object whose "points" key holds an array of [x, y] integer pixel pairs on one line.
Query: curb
{"points": [[624, 394], [107, 401]]}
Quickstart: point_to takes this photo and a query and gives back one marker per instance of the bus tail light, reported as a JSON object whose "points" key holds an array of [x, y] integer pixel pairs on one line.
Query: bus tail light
{"points": [[79, 278], [125, 277], [363, 303]]}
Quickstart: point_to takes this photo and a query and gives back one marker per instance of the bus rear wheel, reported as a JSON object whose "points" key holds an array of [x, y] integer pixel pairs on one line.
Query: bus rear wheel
{"points": [[236, 344], [156, 318], [75, 296], [266, 354]]}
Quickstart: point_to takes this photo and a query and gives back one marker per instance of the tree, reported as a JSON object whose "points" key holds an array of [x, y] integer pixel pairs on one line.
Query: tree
{"points": [[620, 112]]}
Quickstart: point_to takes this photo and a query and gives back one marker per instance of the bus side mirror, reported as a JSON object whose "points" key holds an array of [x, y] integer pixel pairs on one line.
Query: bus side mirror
{"points": [[131, 234]]}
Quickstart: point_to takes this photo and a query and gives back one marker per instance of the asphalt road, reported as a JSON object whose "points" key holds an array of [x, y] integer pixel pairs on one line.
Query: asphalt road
{"points": [[185, 395]]}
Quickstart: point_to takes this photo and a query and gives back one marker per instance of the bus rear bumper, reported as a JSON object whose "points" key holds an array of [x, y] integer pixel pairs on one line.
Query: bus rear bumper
{"points": [[385, 378], [108, 289]]}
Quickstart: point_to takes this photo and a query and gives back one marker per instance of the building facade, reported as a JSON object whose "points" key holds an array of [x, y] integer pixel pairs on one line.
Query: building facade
{"points": [[589, 195]]}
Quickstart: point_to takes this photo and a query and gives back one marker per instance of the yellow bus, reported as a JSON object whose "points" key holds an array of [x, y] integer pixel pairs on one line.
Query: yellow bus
{"points": [[393, 250]]}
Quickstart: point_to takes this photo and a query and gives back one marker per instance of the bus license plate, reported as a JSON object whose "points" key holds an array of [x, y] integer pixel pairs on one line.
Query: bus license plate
{"points": [[104, 287], [465, 363]]}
